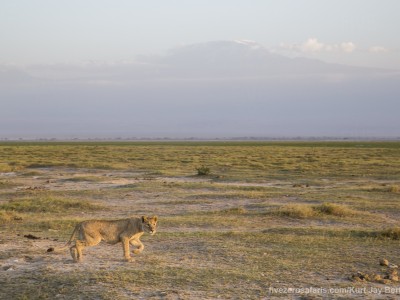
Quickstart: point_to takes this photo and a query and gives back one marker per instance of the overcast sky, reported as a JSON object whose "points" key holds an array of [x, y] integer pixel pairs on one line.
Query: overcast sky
{"points": [[204, 68], [361, 32]]}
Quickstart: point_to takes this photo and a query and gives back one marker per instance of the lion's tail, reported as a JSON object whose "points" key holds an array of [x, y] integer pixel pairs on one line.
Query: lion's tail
{"points": [[73, 235]]}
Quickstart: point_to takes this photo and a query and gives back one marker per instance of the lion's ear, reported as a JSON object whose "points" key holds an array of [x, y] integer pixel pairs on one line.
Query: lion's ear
{"points": [[155, 218], [144, 219]]}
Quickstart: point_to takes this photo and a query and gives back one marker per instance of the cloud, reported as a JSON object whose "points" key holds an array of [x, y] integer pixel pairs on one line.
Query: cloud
{"points": [[313, 45], [347, 47], [377, 49]]}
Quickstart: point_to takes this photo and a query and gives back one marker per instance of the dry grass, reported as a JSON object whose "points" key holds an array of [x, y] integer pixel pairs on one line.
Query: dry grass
{"points": [[304, 211], [297, 211], [271, 215], [7, 217], [335, 210], [390, 233], [251, 161], [394, 189]]}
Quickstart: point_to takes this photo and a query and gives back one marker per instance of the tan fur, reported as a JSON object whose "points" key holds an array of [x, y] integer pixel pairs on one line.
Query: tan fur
{"points": [[126, 231]]}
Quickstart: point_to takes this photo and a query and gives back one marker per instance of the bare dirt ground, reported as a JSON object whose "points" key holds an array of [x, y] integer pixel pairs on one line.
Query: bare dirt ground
{"points": [[23, 259]]}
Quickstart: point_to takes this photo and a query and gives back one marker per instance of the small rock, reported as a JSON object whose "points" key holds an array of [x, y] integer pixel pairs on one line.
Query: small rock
{"points": [[384, 262], [51, 249]]}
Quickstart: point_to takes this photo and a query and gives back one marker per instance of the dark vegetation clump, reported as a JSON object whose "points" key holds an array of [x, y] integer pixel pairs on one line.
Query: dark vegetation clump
{"points": [[203, 171]]}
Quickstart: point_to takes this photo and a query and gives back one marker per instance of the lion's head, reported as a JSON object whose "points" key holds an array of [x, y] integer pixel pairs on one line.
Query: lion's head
{"points": [[149, 224]]}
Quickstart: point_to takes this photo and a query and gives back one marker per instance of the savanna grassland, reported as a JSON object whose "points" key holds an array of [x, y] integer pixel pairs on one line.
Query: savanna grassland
{"points": [[265, 220]]}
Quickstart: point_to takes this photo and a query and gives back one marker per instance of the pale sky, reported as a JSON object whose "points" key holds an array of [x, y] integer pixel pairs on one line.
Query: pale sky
{"points": [[204, 68], [357, 32]]}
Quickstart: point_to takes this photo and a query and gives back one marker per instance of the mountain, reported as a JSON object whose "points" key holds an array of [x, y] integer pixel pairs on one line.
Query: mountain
{"points": [[14, 75], [214, 89], [217, 59], [241, 59]]}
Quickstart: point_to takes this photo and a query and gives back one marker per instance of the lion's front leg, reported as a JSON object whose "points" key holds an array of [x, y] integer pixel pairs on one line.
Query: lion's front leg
{"points": [[138, 244], [125, 246]]}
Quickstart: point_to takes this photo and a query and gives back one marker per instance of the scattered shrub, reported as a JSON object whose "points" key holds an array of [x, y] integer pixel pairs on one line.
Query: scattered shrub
{"points": [[203, 171]]}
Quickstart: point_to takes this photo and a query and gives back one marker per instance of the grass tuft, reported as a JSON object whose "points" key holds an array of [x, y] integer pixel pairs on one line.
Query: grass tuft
{"points": [[203, 171], [298, 211], [234, 211], [335, 210]]}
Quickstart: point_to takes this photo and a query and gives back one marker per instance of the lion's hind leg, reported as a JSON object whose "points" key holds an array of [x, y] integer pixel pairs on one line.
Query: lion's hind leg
{"points": [[74, 253], [76, 250]]}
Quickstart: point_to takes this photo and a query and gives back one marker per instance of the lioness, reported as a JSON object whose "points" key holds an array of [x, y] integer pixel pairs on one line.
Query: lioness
{"points": [[126, 231]]}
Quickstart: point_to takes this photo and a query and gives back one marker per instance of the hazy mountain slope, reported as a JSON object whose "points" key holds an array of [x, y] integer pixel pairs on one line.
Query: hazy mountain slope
{"points": [[206, 90]]}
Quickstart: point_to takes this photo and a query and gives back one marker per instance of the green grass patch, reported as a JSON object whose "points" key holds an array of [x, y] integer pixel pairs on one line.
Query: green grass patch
{"points": [[85, 179], [233, 211], [252, 161], [48, 204]]}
